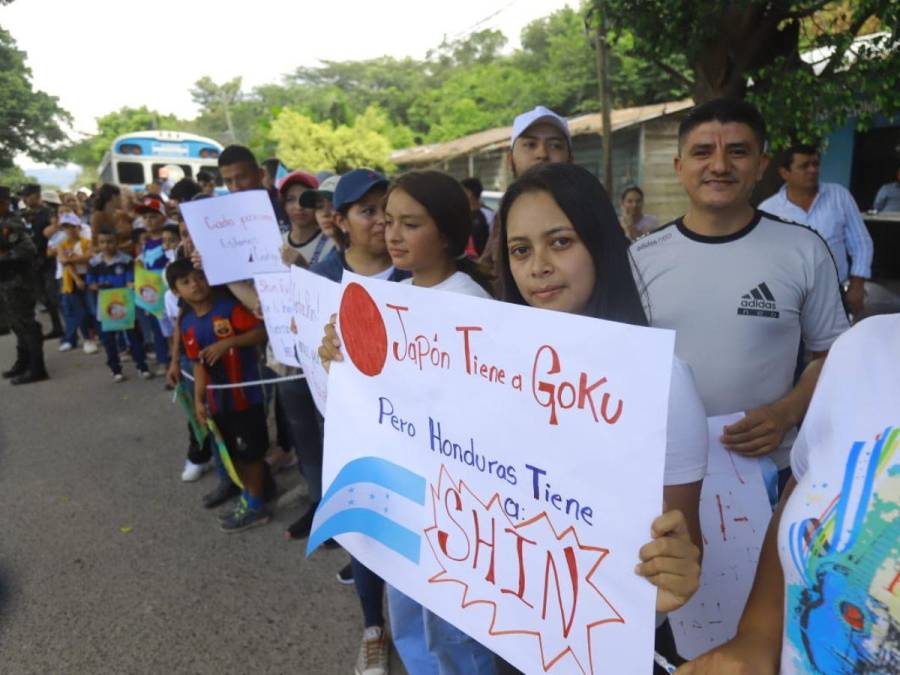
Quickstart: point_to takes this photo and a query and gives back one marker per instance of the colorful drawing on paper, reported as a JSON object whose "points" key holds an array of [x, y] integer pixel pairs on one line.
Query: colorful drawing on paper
{"points": [[115, 309], [844, 617], [150, 291]]}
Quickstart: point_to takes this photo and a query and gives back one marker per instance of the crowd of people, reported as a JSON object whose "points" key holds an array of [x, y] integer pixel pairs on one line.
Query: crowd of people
{"points": [[757, 297]]}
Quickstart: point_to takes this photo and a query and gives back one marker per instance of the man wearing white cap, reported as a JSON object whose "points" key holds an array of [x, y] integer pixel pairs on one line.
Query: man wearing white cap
{"points": [[538, 136]]}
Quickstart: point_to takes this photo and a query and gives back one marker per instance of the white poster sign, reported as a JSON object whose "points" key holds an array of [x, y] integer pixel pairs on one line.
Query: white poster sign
{"points": [[734, 515], [501, 465], [315, 300], [237, 235], [276, 298]]}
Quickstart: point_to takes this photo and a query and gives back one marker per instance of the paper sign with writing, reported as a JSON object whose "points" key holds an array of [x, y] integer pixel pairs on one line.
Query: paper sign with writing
{"points": [[149, 291], [501, 465], [276, 298], [115, 309], [237, 235], [734, 515], [315, 300]]}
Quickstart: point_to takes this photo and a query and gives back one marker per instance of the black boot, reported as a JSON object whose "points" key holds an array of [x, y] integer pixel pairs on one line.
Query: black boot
{"points": [[20, 367], [34, 345], [30, 377]]}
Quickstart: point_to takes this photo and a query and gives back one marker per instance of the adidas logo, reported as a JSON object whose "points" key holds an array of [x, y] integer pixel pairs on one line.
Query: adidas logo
{"points": [[759, 302]]}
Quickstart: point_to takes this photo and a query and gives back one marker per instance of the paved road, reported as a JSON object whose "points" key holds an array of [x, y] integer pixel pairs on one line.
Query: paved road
{"points": [[108, 563]]}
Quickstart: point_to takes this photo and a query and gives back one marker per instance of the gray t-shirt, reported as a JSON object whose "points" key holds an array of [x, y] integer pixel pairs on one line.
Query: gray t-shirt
{"points": [[739, 305]]}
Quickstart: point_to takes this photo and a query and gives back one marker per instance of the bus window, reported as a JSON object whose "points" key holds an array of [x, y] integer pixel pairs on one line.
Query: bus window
{"points": [[187, 172], [130, 173]]}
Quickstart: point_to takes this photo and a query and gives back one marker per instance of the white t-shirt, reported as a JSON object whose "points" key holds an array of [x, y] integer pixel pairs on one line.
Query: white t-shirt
{"points": [[839, 536], [740, 305], [458, 282], [313, 250]]}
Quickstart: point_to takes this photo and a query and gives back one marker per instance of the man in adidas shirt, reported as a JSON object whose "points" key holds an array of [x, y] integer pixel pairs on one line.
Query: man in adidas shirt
{"points": [[740, 287]]}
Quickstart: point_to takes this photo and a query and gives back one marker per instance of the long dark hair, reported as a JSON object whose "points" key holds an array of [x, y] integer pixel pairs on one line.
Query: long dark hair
{"points": [[106, 192], [586, 204], [446, 202]]}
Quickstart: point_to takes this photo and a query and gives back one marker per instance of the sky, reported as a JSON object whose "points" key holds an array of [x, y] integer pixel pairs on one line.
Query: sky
{"points": [[99, 55]]}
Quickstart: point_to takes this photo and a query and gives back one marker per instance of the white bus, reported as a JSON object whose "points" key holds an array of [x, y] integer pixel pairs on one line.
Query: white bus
{"points": [[136, 159]]}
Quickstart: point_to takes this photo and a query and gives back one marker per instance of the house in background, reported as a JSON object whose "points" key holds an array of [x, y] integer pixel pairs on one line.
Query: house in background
{"points": [[644, 143]]}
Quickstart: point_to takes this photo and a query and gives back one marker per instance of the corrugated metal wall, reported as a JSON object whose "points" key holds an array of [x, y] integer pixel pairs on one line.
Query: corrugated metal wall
{"points": [[642, 155]]}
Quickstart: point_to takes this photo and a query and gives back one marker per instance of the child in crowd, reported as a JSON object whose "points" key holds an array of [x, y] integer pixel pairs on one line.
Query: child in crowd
{"points": [[153, 257], [73, 252], [171, 238], [199, 455], [325, 211], [221, 337], [305, 243], [111, 268]]}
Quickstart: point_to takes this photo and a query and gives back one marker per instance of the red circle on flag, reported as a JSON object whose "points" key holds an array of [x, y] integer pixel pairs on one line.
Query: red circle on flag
{"points": [[363, 331]]}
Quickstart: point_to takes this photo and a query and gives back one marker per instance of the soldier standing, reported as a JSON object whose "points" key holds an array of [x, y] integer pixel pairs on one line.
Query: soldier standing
{"points": [[39, 215], [17, 264]]}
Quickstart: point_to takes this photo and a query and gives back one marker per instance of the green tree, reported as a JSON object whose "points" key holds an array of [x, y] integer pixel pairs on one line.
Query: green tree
{"points": [[217, 103], [319, 146], [89, 151], [32, 120], [753, 49]]}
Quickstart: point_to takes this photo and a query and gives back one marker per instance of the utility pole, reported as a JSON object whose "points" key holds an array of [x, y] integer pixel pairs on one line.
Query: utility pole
{"points": [[226, 107], [601, 48]]}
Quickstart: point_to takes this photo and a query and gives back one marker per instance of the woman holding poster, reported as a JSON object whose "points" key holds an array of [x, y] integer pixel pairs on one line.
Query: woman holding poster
{"points": [[427, 226], [825, 597], [561, 248]]}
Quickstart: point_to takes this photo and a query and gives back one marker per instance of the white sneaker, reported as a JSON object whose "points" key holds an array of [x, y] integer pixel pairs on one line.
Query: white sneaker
{"points": [[193, 471], [146, 375], [90, 347], [118, 377], [65, 346], [161, 371], [373, 653]]}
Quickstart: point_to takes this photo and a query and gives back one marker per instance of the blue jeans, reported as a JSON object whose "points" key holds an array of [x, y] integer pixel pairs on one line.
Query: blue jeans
{"points": [[427, 644], [110, 342], [150, 324], [75, 315], [298, 410], [370, 589]]}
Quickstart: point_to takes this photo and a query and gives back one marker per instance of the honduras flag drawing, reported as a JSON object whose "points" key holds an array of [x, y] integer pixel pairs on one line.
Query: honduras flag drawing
{"points": [[377, 498]]}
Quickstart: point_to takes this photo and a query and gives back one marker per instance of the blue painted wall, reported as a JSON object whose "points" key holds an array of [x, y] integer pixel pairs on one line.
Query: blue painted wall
{"points": [[837, 160]]}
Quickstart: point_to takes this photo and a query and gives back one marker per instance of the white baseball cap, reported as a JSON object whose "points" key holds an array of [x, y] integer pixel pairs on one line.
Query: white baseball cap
{"points": [[69, 219], [539, 114]]}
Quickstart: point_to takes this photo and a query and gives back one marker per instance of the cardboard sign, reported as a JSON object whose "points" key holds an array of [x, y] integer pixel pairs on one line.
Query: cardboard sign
{"points": [[149, 291], [734, 515], [315, 300], [115, 309], [237, 235], [501, 465], [276, 297]]}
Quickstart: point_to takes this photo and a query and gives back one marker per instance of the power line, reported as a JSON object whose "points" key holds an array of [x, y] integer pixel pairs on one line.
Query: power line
{"points": [[471, 28]]}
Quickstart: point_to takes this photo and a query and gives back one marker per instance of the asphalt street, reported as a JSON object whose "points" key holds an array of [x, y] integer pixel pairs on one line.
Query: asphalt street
{"points": [[109, 563]]}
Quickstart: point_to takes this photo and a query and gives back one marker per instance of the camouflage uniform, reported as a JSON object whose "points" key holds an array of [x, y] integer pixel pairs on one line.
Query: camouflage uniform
{"points": [[17, 261], [45, 273]]}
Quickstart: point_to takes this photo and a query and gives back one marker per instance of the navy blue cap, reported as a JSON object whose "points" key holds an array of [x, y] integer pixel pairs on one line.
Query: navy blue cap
{"points": [[354, 185]]}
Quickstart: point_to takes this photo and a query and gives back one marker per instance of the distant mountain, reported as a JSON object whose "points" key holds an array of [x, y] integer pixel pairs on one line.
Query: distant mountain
{"points": [[54, 177]]}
